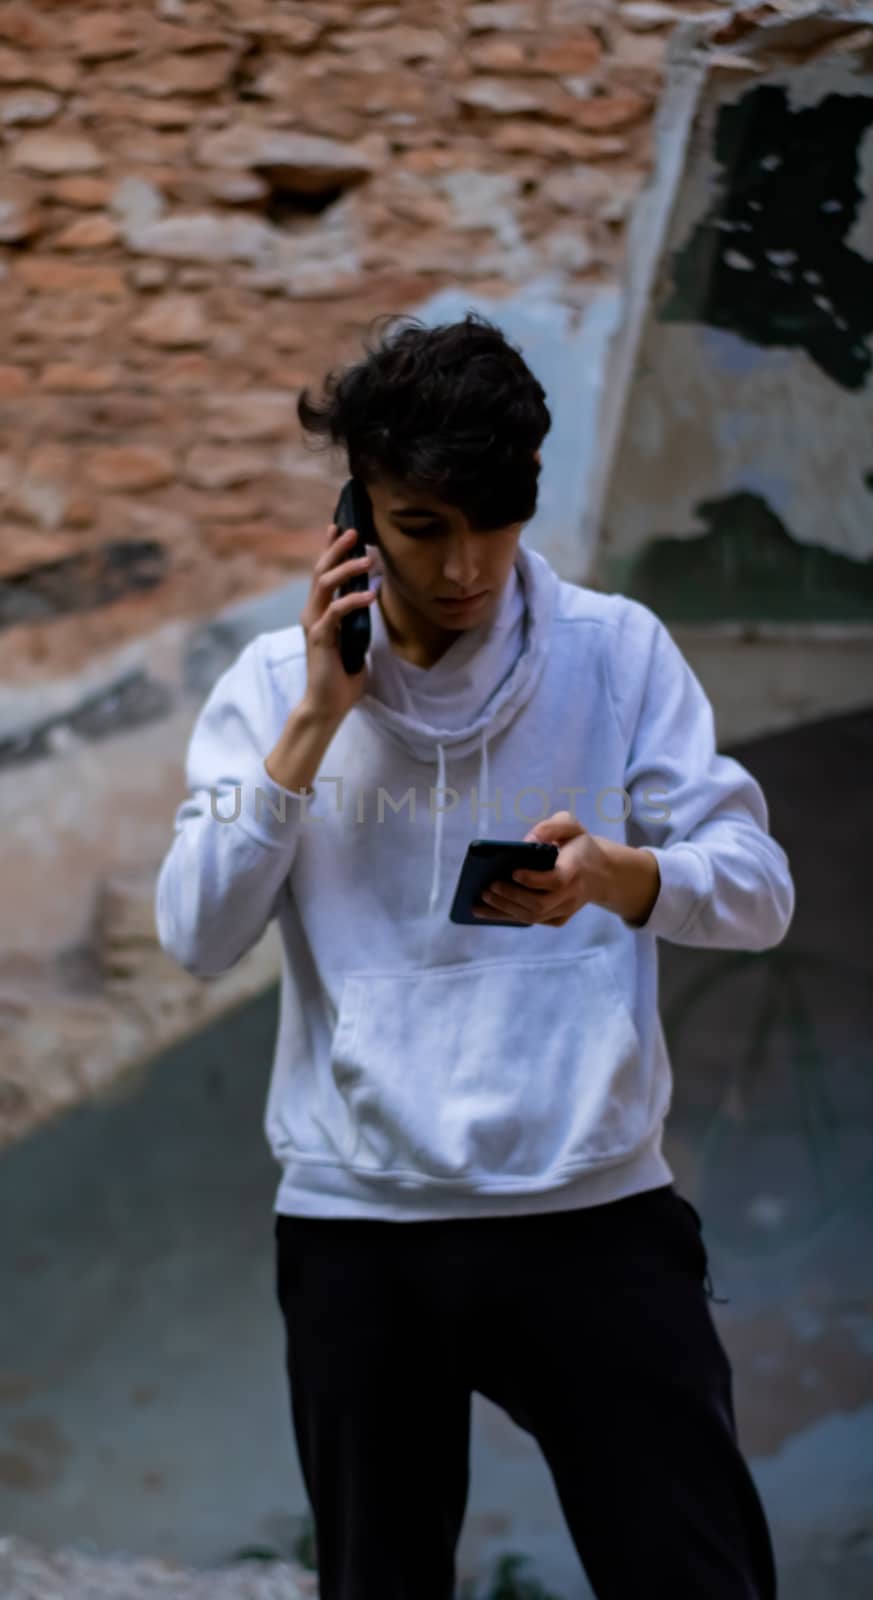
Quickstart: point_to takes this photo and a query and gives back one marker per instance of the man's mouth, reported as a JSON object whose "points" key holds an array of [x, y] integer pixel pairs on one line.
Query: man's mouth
{"points": [[464, 603]]}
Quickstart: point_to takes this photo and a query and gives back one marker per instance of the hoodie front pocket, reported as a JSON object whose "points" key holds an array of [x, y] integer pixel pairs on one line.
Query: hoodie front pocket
{"points": [[490, 1070]]}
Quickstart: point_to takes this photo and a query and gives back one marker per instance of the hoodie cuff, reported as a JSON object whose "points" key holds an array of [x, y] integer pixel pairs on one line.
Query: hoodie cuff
{"points": [[685, 882], [273, 815]]}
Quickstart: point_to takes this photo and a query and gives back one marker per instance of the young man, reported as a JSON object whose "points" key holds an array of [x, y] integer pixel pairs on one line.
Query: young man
{"points": [[469, 1119]]}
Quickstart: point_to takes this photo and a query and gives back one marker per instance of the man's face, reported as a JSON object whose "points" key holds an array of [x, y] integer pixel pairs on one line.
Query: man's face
{"points": [[430, 555]]}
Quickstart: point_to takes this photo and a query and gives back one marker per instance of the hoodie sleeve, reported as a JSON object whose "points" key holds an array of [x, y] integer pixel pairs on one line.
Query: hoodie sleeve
{"points": [[224, 874], [725, 882]]}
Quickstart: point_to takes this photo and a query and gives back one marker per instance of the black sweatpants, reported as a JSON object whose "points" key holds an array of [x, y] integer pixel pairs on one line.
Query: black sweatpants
{"points": [[590, 1328]]}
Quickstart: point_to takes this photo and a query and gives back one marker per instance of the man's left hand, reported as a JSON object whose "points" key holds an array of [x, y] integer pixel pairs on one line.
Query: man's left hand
{"points": [[590, 870]]}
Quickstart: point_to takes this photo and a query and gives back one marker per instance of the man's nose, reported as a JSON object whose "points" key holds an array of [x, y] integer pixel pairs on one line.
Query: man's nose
{"points": [[461, 565]]}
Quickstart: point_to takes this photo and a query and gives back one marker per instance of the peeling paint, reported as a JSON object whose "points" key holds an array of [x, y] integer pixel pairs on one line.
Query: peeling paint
{"points": [[770, 260], [736, 478], [747, 565]]}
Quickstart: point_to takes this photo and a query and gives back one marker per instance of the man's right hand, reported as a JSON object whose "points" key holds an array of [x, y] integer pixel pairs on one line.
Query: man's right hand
{"points": [[330, 690]]}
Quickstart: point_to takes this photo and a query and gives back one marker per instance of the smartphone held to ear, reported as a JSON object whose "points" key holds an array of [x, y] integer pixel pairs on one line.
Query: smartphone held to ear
{"points": [[354, 510], [491, 860]]}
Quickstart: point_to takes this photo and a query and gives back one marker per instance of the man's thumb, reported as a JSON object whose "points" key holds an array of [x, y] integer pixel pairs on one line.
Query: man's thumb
{"points": [[555, 829], [541, 832]]}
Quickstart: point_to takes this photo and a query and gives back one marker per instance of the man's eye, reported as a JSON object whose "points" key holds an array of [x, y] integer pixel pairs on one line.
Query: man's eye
{"points": [[419, 529]]}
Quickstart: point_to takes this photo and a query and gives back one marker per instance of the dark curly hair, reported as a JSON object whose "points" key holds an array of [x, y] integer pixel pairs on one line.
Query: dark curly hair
{"points": [[451, 412]]}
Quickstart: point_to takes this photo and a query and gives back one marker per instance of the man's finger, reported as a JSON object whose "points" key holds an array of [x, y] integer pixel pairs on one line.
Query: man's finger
{"points": [[504, 900], [541, 882]]}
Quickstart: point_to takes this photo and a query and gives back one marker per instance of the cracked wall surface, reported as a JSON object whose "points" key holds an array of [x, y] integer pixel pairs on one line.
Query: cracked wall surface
{"points": [[741, 483]]}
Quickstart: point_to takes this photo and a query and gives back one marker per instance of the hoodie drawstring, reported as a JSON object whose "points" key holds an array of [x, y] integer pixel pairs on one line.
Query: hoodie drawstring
{"points": [[483, 782], [438, 834], [438, 831]]}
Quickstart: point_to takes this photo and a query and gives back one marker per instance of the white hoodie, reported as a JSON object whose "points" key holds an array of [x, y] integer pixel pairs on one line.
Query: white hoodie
{"points": [[424, 1069]]}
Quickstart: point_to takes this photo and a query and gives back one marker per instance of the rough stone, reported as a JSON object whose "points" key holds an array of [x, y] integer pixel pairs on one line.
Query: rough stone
{"points": [[149, 276], [88, 233], [17, 67], [40, 490], [589, 191], [55, 152], [271, 542], [179, 74], [129, 467], [302, 161], [20, 212], [19, 24], [30, 105], [13, 381], [499, 97], [542, 139], [403, 44], [203, 236], [492, 16], [569, 53], [54, 276], [607, 112], [235, 188], [253, 414], [87, 193], [22, 547], [172, 321], [230, 507], [499, 55], [105, 35], [295, 32], [645, 15], [209, 467], [136, 202]]}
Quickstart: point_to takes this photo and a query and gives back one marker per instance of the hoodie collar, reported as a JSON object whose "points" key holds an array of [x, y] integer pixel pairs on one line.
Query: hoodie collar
{"points": [[472, 692]]}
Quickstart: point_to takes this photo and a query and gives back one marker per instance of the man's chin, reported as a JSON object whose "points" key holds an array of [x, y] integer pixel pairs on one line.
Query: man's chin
{"points": [[457, 620]]}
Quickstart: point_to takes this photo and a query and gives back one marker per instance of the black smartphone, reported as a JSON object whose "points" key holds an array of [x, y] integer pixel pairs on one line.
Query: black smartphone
{"points": [[490, 860], [354, 510]]}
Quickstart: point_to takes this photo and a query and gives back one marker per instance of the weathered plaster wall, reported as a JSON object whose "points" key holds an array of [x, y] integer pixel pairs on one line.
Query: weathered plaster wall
{"points": [[740, 488]]}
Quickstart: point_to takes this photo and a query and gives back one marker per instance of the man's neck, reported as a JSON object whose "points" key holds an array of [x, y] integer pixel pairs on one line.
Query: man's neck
{"points": [[421, 651]]}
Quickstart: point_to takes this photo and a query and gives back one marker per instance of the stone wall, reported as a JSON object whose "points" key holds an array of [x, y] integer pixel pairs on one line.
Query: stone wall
{"points": [[202, 205]]}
